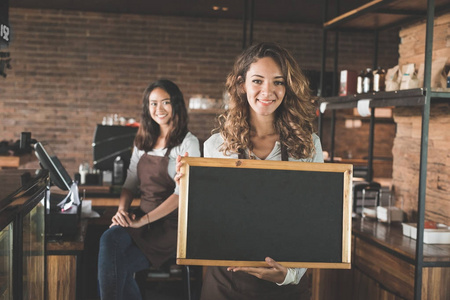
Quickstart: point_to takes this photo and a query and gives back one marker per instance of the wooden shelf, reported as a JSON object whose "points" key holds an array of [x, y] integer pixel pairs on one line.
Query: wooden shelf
{"points": [[412, 97], [383, 14]]}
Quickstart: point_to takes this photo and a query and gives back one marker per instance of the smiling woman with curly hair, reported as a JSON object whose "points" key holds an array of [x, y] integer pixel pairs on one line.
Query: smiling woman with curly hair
{"points": [[293, 118], [270, 117]]}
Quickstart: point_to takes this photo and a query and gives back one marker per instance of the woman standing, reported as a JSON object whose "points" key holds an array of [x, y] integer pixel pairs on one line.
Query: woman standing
{"points": [[270, 118], [148, 236]]}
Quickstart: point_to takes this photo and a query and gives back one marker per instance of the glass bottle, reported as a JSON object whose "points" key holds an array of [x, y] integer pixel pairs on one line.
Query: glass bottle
{"points": [[378, 80], [368, 81], [359, 82], [118, 171]]}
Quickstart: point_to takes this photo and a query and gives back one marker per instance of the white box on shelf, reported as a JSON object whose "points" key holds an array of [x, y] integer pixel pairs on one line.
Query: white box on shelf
{"points": [[369, 212], [395, 213], [440, 235]]}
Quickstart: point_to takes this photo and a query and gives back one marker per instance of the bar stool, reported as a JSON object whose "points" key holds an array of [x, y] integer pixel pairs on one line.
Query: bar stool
{"points": [[186, 278], [365, 187]]}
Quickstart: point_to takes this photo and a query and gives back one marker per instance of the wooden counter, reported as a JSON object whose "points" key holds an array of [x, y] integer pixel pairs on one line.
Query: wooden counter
{"points": [[391, 238], [64, 258], [383, 267], [14, 161], [103, 202]]}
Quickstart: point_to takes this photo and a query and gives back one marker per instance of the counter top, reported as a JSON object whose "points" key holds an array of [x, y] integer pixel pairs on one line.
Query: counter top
{"points": [[15, 161], [391, 238], [11, 180]]}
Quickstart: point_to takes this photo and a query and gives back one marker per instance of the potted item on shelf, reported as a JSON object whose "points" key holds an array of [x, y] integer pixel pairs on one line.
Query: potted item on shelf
{"points": [[393, 79], [409, 77]]}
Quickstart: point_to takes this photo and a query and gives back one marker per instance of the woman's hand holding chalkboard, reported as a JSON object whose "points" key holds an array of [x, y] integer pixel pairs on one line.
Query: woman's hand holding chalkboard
{"points": [[179, 165], [274, 273]]}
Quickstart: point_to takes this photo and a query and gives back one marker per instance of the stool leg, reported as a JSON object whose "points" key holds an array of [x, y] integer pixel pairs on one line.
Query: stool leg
{"points": [[188, 281], [363, 202], [140, 280]]}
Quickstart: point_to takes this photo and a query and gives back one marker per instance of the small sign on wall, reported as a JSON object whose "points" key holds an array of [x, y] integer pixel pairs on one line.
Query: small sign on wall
{"points": [[4, 24]]}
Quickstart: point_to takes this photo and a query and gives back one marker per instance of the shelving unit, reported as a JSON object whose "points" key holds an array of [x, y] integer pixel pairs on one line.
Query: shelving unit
{"points": [[413, 97], [375, 16]]}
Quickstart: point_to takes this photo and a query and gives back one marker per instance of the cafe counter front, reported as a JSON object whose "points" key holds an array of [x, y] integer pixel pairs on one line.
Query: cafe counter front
{"points": [[22, 233]]}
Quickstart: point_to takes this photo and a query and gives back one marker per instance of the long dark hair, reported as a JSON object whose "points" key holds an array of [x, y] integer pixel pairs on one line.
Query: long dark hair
{"points": [[149, 130]]}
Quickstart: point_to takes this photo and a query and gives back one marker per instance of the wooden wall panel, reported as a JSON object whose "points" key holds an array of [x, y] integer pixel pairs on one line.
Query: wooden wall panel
{"points": [[390, 271], [436, 283], [61, 274]]}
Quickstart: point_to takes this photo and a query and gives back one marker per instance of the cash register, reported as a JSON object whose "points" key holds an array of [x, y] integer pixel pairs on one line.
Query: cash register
{"points": [[63, 204]]}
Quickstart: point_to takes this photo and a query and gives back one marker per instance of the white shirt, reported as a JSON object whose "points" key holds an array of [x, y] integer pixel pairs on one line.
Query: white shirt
{"points": [[211, 149], [190, 145]]}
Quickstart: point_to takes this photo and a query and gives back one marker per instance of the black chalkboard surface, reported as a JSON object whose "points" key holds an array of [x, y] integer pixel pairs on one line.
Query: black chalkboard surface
{"points": [[237, 212]]}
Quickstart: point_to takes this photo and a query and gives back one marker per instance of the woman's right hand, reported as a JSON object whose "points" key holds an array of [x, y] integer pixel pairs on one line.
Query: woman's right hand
{"points": [[122, 218], [179, 165]]}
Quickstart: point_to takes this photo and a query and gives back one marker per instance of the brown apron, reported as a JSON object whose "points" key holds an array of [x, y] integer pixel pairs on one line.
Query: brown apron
{"points": [[158, 240], [220, 284]]}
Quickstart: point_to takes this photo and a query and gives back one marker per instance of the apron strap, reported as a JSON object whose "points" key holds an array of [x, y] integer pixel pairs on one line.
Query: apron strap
{"points": [[284, 152], [167, 152], [241, 154]]}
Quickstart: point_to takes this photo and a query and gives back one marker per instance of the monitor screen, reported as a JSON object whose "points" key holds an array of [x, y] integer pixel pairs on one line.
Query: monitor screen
{"points": [[49, 161]]}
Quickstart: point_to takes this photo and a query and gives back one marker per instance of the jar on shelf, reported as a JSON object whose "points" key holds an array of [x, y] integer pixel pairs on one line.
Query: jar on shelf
{"points": [[378, 80], [368, 81], [359, 82]]}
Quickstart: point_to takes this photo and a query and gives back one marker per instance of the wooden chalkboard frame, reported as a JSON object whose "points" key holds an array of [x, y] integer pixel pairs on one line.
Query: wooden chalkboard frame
{"points": [[191, 164]]}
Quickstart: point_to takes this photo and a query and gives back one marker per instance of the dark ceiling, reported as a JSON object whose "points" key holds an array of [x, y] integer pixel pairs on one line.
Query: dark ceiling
{"points": [[297, 11]]}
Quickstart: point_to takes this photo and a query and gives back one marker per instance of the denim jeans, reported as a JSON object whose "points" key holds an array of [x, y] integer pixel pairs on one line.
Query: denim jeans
{"points": [[118, 259]]}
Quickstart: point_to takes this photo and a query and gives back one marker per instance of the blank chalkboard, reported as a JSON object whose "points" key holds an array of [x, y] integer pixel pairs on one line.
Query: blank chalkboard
{"points": [[237, 212]]}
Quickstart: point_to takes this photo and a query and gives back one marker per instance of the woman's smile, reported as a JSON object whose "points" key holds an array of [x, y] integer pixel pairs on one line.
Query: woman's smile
{"points": [[265, 102]]}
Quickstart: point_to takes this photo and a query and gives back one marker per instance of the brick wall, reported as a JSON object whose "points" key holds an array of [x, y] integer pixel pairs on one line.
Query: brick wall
{"points": [[72, 68], [354, 142], [406, 148], [412, 46]]}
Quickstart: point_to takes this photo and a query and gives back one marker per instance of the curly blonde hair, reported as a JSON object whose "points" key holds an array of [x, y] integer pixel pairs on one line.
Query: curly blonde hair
{"points": [[293, 118]]}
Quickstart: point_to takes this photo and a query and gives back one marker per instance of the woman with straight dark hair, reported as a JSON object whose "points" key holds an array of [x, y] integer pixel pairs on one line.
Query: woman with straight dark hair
{"points": [[147, 237]]}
